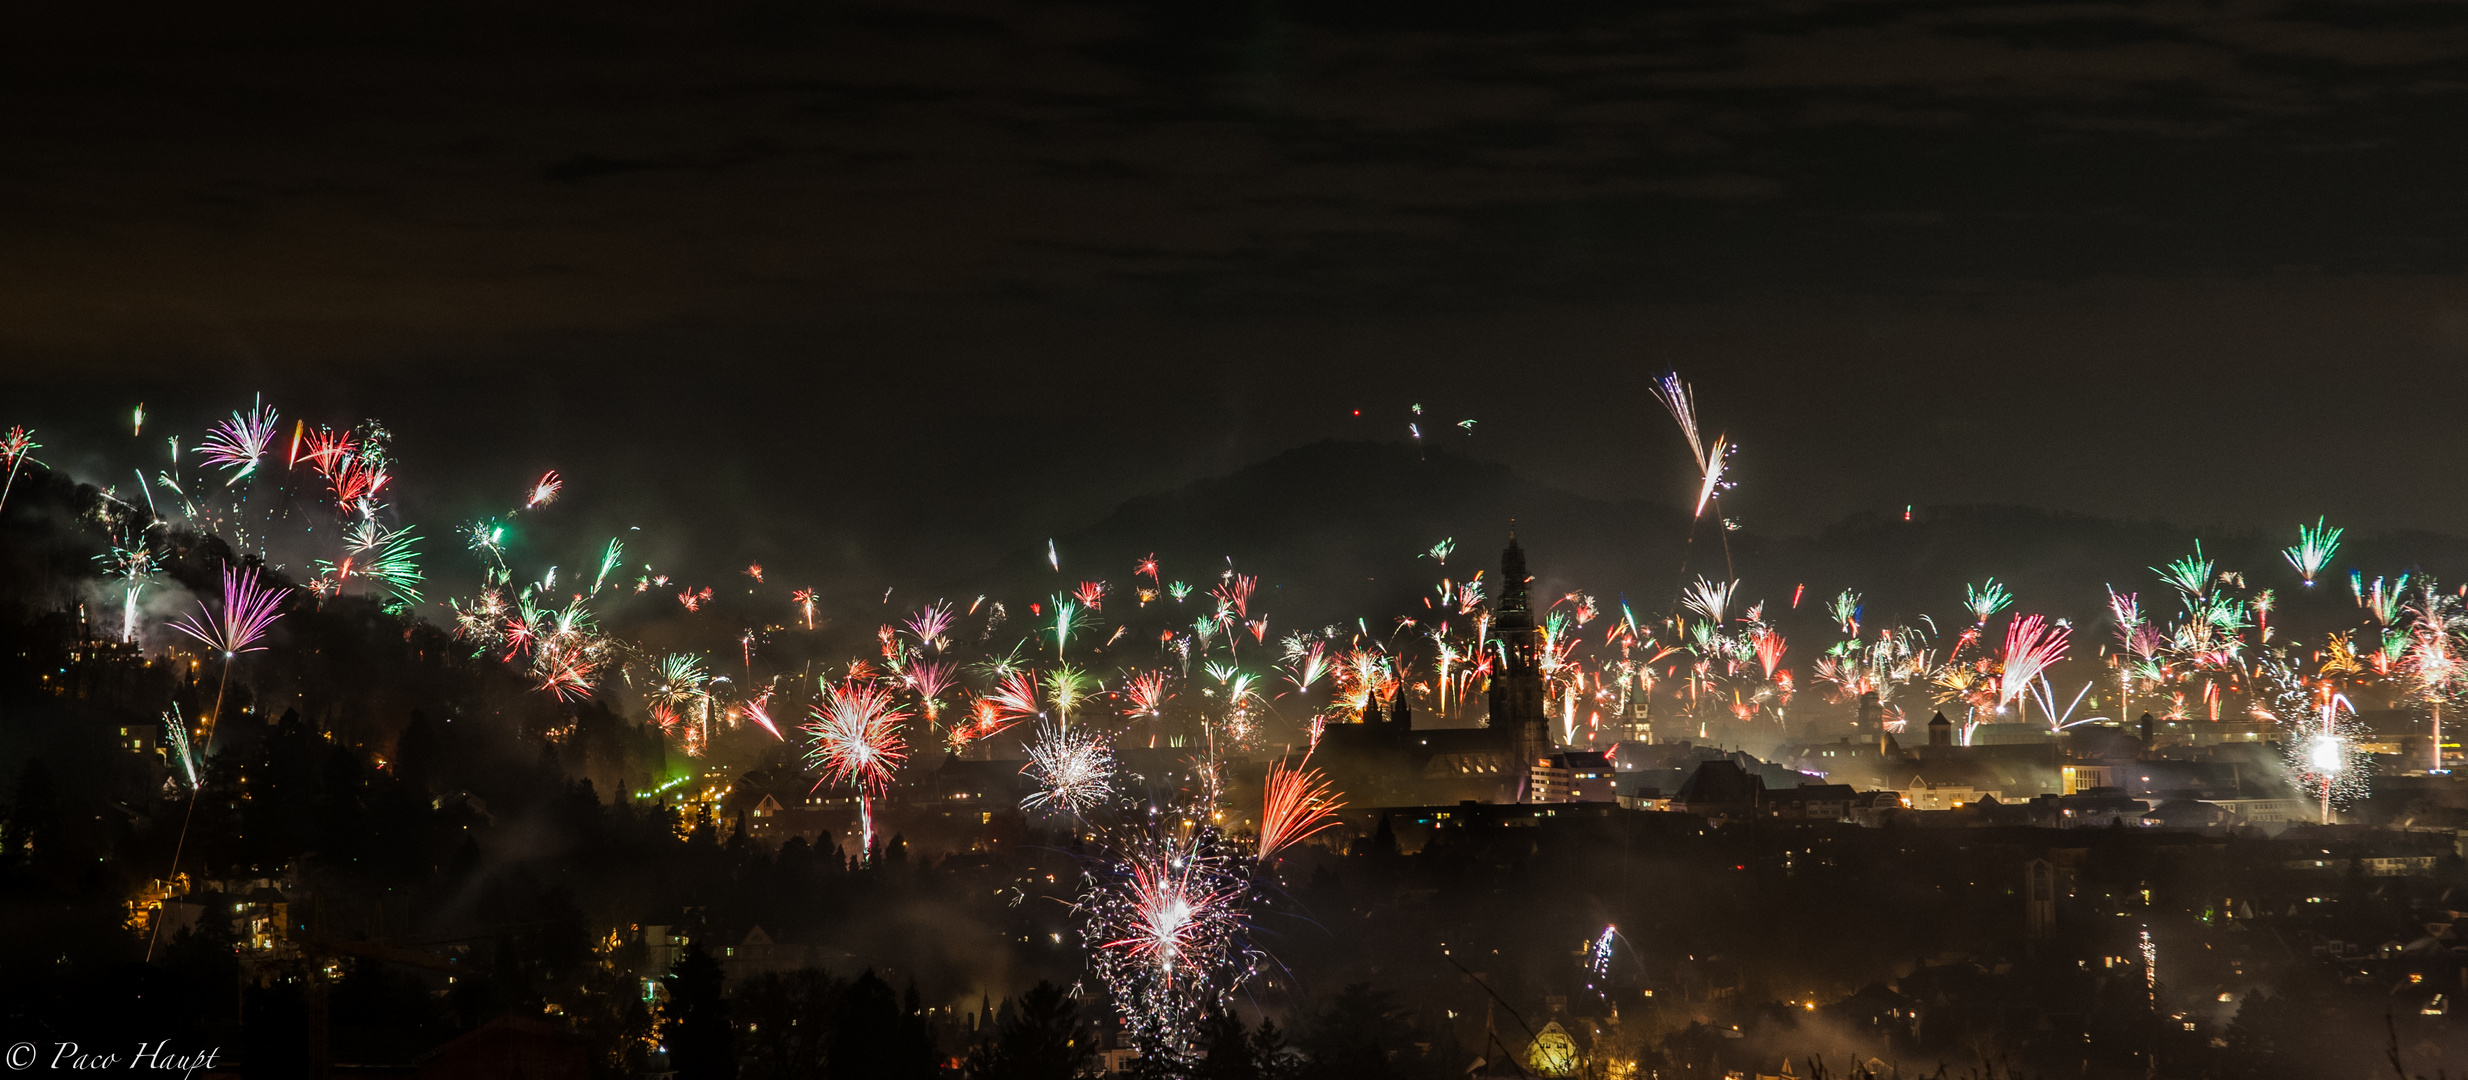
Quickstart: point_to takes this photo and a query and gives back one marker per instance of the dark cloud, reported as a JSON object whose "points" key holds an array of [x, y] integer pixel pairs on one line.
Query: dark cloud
{"points": [[912, 282]]}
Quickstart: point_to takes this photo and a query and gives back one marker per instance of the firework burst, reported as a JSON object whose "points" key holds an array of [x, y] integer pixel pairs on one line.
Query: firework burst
{"points": [[1074, 770], [238, 444], [1167, 929], [2316, 545]]}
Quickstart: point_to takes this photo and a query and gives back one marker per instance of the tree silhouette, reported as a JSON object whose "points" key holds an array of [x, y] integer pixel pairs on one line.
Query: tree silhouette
{"points": [[1042, 1040], [694, 1021]]}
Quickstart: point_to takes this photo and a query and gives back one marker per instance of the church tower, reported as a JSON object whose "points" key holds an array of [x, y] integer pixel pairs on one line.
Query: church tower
{"points": [[1518, 710]]}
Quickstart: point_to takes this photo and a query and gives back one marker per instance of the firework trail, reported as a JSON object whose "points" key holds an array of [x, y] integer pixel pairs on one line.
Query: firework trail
{"points": [[1295, 803], [1599, 957], [249, 610], [609, 557], [1720, 456], [2059, 721], [2324, 757], [2433, 656], [856, 741], [1442, 550], [1166, 926], [1074, 770], [134, 566], [758, 709], [1066, 621], [1682, 403]]}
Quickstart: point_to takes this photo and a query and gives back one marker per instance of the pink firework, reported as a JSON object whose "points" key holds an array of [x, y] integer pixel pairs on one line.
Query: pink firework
{"points": [[1091, 593], [1146, 568], [804, 598], [249, 610], [755, 571], [930, 679], [930, 623], [2031, 647], [238, 443], [856, 736]]}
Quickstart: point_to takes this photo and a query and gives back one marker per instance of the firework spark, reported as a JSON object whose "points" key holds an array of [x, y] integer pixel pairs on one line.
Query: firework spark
{"points": [[855, 736], [1074, 770], [545, 490], [15, 446], [2316, 544], [238, 444], [1986, 600]]}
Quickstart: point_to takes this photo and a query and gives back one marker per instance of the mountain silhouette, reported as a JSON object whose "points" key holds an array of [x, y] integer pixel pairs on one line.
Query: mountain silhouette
{"points": [[1339, 530]]}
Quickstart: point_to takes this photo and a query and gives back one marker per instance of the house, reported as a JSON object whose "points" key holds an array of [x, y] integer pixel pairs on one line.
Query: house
{"points": [[1720, 789], [1812, 802], [509, 1048]]}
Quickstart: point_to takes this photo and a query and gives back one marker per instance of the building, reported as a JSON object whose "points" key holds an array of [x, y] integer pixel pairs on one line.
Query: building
{"points": [[1576, 776], [1519, 709], [1812, 802], [1384, 758], [1720, 789]]}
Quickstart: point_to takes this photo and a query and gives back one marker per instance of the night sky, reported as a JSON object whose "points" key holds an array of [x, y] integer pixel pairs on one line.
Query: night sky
{"points": [[916, 283]]}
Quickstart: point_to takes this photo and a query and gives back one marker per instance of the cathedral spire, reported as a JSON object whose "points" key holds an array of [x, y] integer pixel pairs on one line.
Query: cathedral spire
{"points": [[1513, 577]]}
